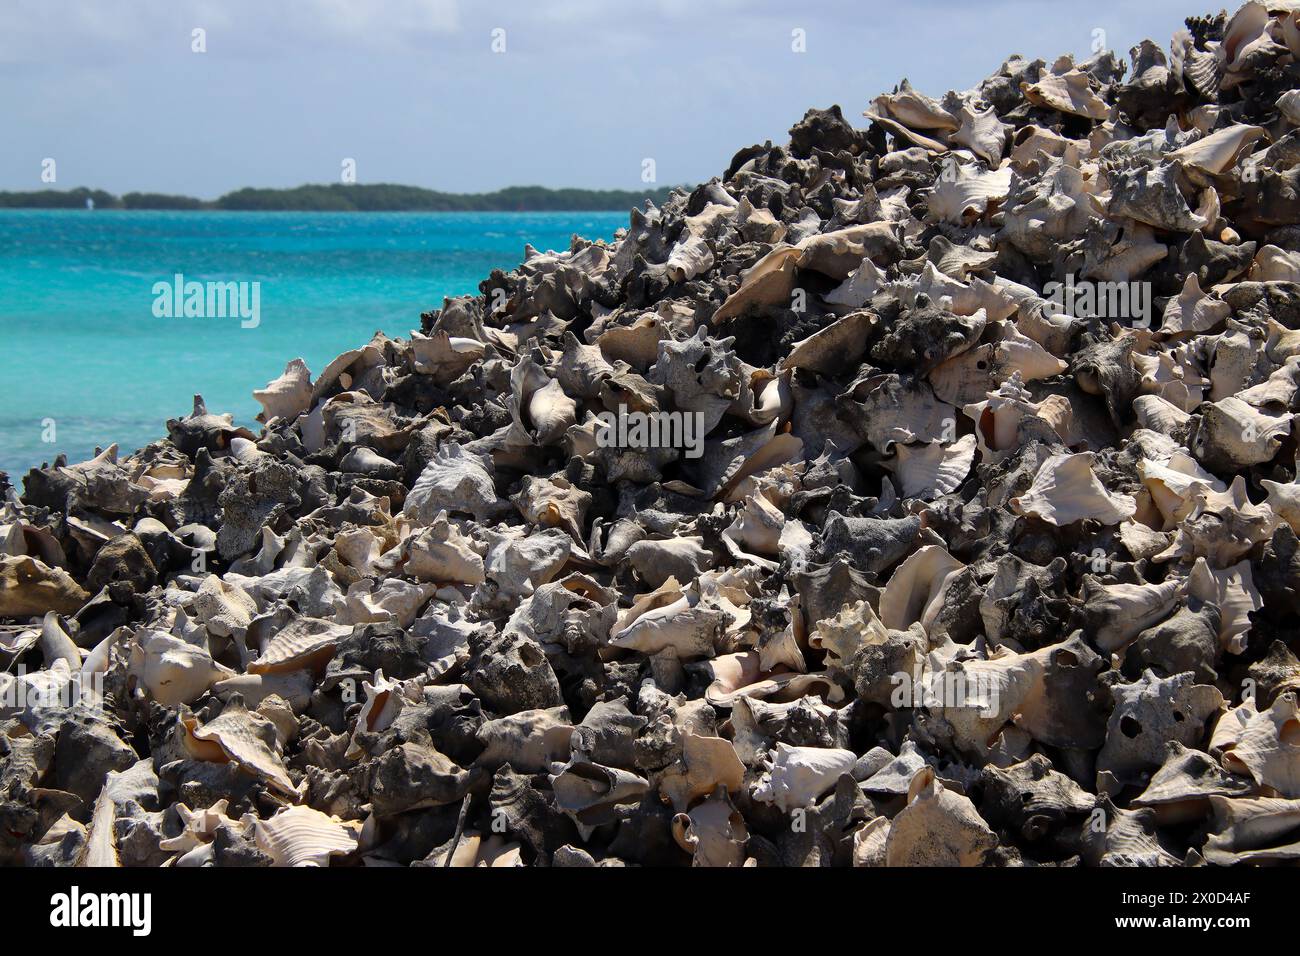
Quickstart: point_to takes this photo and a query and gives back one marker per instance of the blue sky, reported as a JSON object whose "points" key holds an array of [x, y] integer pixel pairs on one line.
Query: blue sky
{"points": [[412, 90]]}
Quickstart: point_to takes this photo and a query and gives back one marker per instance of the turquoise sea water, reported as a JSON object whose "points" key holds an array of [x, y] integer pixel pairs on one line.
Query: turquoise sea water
{"points": [[79, 342]]}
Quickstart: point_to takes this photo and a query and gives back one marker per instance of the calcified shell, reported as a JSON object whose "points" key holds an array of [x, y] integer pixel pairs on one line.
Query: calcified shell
{"points": [[934, 469]]}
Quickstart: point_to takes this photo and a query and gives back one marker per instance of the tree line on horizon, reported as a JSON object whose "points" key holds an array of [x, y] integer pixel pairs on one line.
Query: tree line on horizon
{"points": [[351, 197]]}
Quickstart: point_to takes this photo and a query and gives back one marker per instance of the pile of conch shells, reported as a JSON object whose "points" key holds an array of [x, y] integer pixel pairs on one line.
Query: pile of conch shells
{"points": [[956, 573]]}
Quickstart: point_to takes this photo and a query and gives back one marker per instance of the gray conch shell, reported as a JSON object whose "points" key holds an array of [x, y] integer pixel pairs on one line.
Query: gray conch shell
{"points": [[530, 740], [713, 832], [1181, 788], [1117, 613], [1148, 714], [937, 828], [593, 794], [454, 481]]}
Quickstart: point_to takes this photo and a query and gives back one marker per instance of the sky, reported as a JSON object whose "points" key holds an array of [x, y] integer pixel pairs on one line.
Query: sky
{"points": [[475, 95]]}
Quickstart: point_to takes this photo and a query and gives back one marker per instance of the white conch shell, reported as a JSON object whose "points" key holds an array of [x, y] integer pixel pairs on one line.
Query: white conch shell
{"points": [[1193, 311], [1173, 484], [768, 282], [1253, 830], [444, 356], [1066, 490], [691, 257], [983, 133], [1267, 748], [963, 192], [301, 836], [997, 418], [1242, 435], [1233, 591], [101, 839], [56, 645], [914, 109], [916, 588], [1275, 265], [687, 627], [1223, 526], [288, 396], [870, 842], [929, 470], [198, 829], [1218, 151], [455, 480], [858, 289], [937, 828], [976, 698], [969, 377], [840, 636], [173, 671], [830, 347], [1159, 414], [554, 503], [758, 532], [392, 600], [242, 737], [1284, 499], [303, 642], [797, 776], [359, 548], [1066, 89], [384, 701]]}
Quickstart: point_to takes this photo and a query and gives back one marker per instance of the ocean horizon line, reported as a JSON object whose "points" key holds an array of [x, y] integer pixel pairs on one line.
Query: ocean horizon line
{"points": [[347, 197]]}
